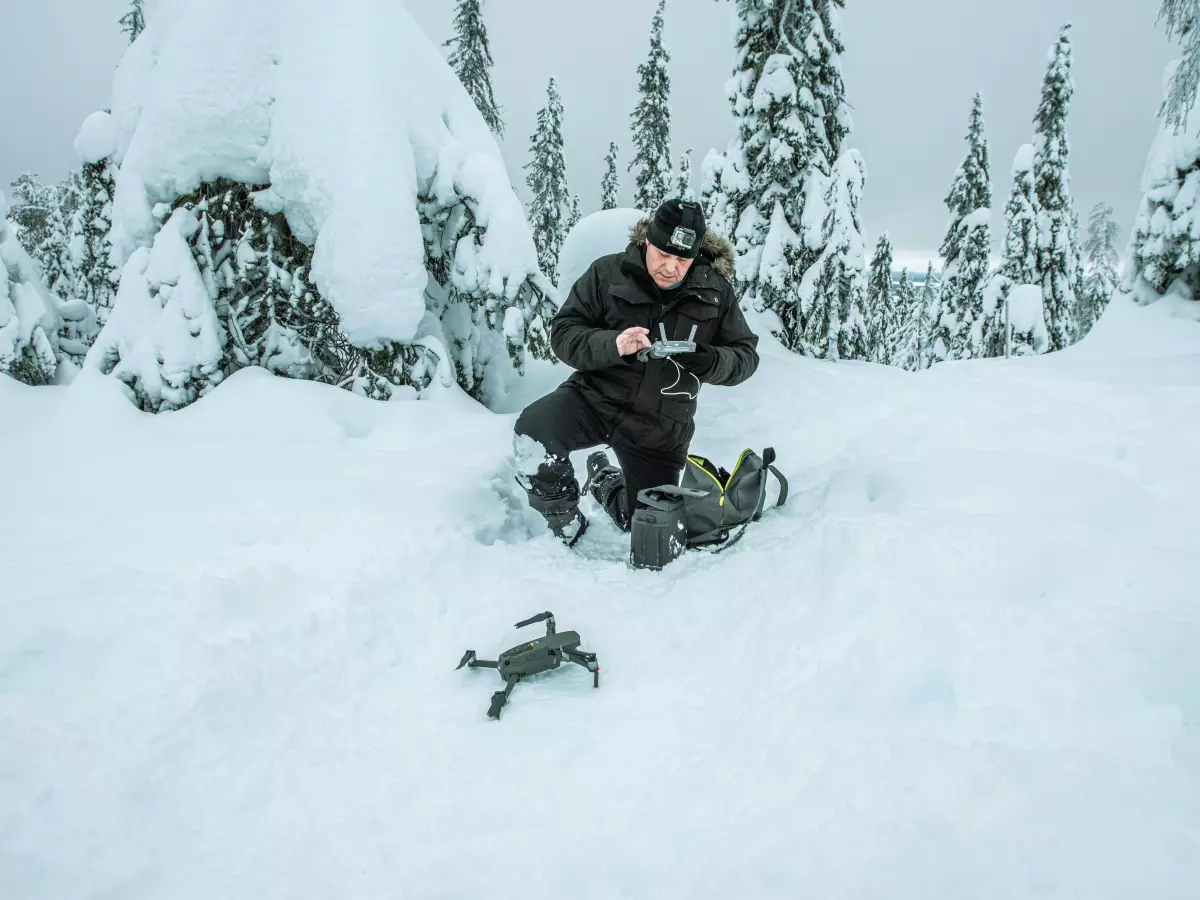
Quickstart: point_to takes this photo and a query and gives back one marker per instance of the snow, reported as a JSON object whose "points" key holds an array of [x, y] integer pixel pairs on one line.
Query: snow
{"points": [[962, 660], [1023, 161], [317, 100], [594, 236], [98, 138]]}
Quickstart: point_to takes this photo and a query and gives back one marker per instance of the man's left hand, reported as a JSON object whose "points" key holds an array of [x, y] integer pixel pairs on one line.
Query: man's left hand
{"points": [[700, 362]]}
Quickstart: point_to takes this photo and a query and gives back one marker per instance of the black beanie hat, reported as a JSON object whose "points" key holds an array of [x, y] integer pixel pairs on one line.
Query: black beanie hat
{"points": [[678, 228]]}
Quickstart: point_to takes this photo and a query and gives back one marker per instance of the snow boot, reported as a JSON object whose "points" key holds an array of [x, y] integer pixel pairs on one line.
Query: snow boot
{"points": [[606, 484], [562, 514]]}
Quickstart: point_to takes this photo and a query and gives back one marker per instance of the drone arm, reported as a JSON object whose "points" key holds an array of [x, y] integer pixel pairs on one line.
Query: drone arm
{"points": [[587, 660], [470, 661]]}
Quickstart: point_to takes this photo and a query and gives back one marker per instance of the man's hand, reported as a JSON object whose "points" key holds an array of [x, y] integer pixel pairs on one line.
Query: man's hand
{"points": [[699, 363], [631, 340]]}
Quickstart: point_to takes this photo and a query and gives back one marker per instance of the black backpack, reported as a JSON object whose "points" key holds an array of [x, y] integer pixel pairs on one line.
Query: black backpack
{"points": [[717, 502], [710, 510]]}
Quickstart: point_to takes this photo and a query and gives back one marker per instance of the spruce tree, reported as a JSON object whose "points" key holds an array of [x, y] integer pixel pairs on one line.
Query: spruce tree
{"points": [[915, 350], [547, 179], [573, 216], [30, 210], [1018, 263], [835, 287], [966, 249], [904, 300], [610, 187], [714, 195], [133, 23], [95, 275], [791, 120], [1101, 268], [1182, 18], [1056, 268], [880, 306], [472, 61], [58, 272], [652, 123], [683, 178]]}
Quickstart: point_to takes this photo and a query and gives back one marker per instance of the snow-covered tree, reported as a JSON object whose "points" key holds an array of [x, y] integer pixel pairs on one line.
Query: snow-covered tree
{"points": [[714, 198], [610, 187], [915, 345], [904, 300], [1018, 263], [30, 211], [881, 303], [791, 119], [683, 178], [340, 285], [29, 320], [966, 249], [1057, 270], [58, 272], [471, 59], [549, 209], [574, 215], [1182, 18], [652, 123], [1101, 267], [834, 289], [133, 23]]}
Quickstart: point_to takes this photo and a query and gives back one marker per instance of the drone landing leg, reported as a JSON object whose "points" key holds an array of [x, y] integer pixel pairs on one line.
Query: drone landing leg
{"points": [[588, 661], [500, 698]]}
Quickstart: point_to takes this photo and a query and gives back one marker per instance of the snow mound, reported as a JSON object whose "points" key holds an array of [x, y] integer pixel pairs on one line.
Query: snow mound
{"points": [[352, 118], [98, 138], [599, 234]]}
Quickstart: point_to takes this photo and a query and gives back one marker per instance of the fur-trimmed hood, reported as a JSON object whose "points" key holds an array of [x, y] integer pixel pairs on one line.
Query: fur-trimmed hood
{"points": [[715, 250]]}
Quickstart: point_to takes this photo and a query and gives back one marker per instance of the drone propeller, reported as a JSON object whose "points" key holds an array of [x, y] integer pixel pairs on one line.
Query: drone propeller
{"points": [[547, 617]]}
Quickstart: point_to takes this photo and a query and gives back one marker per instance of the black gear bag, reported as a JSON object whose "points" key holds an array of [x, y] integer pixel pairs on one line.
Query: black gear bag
{"points": [[714, 507]]}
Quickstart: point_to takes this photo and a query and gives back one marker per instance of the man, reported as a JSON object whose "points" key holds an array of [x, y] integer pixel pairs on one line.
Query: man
{"points": [[673, 272]]}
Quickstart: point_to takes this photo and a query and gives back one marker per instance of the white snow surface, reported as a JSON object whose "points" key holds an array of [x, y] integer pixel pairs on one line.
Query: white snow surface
{"points": [[349, 112], [98, 138], [964, 660], [599, 234]]}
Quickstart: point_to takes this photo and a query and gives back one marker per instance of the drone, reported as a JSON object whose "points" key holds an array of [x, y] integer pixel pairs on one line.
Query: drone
{"points": [[533, 657]]}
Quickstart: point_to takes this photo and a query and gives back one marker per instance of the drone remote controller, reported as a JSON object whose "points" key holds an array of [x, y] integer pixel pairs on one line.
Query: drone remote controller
{"points": [[663, 348]]}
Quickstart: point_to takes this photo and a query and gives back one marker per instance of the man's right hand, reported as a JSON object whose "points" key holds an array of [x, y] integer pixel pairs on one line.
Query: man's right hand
{"points": [[631, 340]]}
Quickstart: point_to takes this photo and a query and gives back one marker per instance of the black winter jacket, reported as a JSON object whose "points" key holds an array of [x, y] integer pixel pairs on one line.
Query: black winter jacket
{"points": [[617, 292]]}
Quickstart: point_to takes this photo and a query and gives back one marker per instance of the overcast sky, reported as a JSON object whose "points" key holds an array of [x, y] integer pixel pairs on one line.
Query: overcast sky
{"points": [[911, 68]]}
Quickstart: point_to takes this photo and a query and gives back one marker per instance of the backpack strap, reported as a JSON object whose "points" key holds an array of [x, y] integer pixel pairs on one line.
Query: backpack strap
{"points": [[768, 458]]}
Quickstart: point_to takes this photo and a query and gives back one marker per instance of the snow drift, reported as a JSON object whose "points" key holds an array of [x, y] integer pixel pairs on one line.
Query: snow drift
{"points": [[347, 121], [594, 236]]}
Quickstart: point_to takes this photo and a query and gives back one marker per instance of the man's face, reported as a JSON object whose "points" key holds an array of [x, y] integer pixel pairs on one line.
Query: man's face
{"points": [[666, 269]]}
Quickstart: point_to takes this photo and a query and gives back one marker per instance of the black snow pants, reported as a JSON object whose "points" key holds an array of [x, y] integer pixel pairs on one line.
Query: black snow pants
{"points": [[561, 422]]}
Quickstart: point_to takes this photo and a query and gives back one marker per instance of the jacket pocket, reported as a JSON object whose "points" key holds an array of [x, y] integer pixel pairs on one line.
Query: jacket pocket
{"points": [[699, 314]]}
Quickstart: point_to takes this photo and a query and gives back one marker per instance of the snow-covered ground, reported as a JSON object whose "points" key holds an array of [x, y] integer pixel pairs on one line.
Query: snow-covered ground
{"points": [[964, 661]]}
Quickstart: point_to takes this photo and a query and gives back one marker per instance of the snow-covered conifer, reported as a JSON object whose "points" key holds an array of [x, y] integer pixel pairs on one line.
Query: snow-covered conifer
{"points": [[471, 59], [881, 302], [30, 212], [54, 254], [915, 348], [714, 197], [683, 178], [1056, 268], [1101, 267], [966, 249], [29, 319], [905, 299], [133, 23], [1182, 18], [791, 119], [573, 215], [1018, 264], [652, 123], [610, 187], [834, 290], [547, 179]]}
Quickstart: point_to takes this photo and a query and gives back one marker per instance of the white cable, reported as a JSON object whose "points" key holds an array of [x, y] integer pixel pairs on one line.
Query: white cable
{"points": [[666, 392]]}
